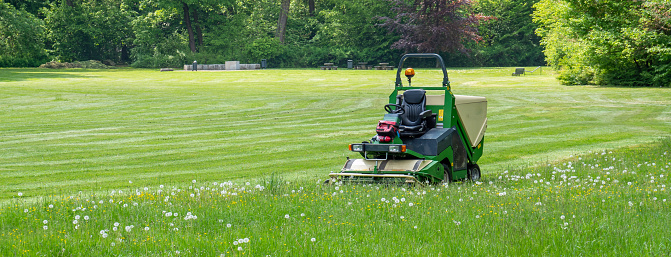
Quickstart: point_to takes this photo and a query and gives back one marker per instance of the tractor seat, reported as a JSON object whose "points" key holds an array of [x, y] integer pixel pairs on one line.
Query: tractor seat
{"points": [[414, 120]]}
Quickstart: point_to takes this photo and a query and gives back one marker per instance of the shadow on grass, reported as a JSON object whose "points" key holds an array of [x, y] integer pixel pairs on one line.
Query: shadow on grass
{"points": [[23, 74]]}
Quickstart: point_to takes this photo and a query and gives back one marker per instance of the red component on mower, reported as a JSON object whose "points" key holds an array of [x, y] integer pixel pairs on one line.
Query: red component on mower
{"points": [[386, 130]]}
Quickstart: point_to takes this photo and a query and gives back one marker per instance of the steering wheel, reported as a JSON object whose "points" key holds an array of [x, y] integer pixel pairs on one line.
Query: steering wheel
{"points": [[399, 109]]}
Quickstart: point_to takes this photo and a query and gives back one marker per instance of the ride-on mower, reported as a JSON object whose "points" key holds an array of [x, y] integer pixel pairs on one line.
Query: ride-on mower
{"points": [[423, 137]]}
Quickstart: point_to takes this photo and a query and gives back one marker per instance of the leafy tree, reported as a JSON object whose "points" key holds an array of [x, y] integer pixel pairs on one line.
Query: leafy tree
{"points": [[89, 30], [434, 25], [158, 40], [31, 6], [21, 38], [607, 42]]}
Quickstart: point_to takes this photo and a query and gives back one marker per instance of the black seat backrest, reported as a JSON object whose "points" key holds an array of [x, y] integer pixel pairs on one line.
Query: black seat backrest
{"points": [[414, 103]]}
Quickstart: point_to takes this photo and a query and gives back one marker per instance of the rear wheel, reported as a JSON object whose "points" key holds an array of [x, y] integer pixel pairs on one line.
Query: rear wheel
{"points": [[473, 172], [447, 176]]}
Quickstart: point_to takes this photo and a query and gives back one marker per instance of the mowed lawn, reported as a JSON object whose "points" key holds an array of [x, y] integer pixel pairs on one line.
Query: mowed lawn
{"points": [[64, 131]]}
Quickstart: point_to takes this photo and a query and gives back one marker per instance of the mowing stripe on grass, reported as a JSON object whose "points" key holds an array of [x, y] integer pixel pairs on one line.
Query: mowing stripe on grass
{"points": [[70, 128]]}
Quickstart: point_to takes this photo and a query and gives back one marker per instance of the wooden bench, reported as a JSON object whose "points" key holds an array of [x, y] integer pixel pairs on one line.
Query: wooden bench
{"points": [[362, 66], [328, 66], [384, 66], [518, 71]]}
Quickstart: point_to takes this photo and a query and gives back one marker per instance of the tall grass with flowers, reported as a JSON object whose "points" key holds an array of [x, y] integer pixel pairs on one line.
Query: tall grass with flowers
{"points": [[602, 203]]}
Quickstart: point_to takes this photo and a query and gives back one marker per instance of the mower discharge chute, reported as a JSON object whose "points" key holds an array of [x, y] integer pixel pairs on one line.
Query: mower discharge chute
{"points": [[423, 137]]}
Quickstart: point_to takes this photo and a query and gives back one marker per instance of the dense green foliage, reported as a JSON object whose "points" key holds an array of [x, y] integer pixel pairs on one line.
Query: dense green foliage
{"points": [[590, 42], [608, 42], [508, 39], [21, 38], [91, 30], [170, 33]]}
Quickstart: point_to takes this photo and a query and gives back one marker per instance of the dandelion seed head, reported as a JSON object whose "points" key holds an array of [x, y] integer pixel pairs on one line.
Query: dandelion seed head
{"points": [[313, 239]]}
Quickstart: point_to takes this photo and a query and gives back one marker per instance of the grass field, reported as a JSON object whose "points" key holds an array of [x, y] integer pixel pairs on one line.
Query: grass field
{"points": [[72, 130], [74, 139]]}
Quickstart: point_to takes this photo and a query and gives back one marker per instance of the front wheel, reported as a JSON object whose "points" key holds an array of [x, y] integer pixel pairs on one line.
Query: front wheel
{"points": [[447, 176], [473, 172]]}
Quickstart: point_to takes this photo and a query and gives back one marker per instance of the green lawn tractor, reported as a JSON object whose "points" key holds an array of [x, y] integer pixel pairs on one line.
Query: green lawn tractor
{"points": [[427, 135]]}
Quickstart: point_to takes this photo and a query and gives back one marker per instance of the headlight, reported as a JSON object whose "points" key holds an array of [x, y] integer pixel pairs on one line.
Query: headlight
{"points": [[356, 147], [397, 148]]}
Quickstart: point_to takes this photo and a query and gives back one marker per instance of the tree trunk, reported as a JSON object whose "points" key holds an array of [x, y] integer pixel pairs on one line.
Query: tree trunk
{"points": [[199, 32], [282, 23], [187, 23], [311, 7], [69, 3]]}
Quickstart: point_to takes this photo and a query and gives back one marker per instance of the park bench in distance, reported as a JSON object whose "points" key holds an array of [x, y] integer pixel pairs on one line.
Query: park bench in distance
{"points": [[362, 66], [384, 66], [518, 71], [328, 66]]}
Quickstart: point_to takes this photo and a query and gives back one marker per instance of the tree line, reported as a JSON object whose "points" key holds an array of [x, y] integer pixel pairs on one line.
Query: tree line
{"points": [[288, 33], [590, 42]]}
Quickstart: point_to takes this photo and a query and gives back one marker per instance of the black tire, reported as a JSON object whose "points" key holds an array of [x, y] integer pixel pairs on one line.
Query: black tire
{"points": [[447, 177], [474, 172]]}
